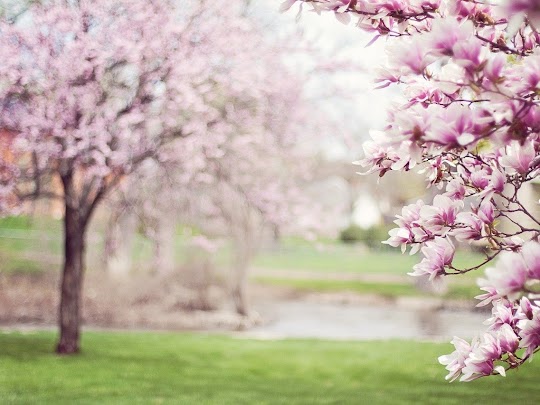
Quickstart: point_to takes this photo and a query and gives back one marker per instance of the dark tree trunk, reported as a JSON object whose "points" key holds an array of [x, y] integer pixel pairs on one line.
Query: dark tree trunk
{"points": [[72, 278]]}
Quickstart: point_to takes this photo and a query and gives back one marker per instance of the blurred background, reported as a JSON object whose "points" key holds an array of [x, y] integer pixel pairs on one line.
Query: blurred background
{"points": [[281, 237]]}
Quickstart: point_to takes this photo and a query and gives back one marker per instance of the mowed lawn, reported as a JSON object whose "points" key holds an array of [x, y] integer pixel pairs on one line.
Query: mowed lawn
{"points": [[334, 256], [155, 368], [387, 289]]}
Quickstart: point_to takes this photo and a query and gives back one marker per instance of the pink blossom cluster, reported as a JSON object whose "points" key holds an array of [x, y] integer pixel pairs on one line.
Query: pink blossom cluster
{"points": [[514, 328], [470, 122], [94, 88]]}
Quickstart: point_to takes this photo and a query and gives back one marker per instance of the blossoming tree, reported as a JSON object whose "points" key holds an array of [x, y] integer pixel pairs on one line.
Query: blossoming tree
{"points": [[248, 174], [91, 89], [470, 74]]}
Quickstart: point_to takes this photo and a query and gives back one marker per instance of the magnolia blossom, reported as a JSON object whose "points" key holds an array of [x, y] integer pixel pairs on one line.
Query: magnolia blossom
{"points": [[531, 257], [438, 254], [480, 362], [508, 276], [529, 332], [469, 72], [455, 361], [519, 157]]}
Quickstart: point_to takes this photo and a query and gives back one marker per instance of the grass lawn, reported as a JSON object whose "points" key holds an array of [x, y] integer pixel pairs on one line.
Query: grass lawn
{"points": [[386, 289], [146, 368], [338, 257]]}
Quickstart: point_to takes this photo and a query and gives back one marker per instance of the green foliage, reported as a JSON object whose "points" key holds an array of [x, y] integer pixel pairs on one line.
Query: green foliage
{"points": [[352, 234], [146, 368], [372, 237]]}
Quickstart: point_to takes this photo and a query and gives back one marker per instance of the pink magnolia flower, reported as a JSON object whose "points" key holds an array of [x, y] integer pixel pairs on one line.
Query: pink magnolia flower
{"points": [[479, 179], [490, 295], [480, 361], [503, 314], [518, 157], [466, 8], [470, 227], [469, 54], [508, 340], [446, 33], [486, 212], [530, 333], [455, 189], [529, 75], [413, 56], [408, 231], [531, 257], [455, 361], [508, 276], [497, 181], [526, 309], [410, 213], [515, 6], [400, 237], [438, 254], [457, 126], [494, 68], [441, 214], [381, 155], [376, 155]]}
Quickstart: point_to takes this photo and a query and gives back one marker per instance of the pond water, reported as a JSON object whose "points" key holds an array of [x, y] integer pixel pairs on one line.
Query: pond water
{"points": [[304, 319]]}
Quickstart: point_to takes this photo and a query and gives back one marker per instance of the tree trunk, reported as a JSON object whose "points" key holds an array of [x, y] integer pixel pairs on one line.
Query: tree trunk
{"points": [[72, 277], [239, 288], [164, 244], [119, 244], [239, 297]]}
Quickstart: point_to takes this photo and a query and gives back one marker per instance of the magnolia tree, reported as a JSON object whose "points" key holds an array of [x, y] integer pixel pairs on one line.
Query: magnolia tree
{"points": [[470, 74], [91, 89]]}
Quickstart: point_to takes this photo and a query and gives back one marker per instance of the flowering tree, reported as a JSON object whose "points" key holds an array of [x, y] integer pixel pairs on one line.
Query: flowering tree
{"points": [[470, 73], [91, 89], [253, 177], [248, 173]]}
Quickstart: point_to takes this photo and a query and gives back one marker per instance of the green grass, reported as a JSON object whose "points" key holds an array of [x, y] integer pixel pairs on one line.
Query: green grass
{"points": [[336, 258], [145, 368], [23, 222], [349, 259], [29, 245], [390, 290]]}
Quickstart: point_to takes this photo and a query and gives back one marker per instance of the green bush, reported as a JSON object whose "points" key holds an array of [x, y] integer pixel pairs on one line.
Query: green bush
{"points": [[352, 234], [371, 237]]}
